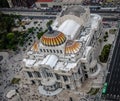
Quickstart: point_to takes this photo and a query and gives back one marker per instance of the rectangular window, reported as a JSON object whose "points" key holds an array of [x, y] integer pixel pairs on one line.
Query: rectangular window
{"points": [[60, 51], [90, 58], [44, 50], [57, 51], [57, 76], [84, 67], [40, 50], [50, 50], [54, 51], [79, 70], [47, 50]]}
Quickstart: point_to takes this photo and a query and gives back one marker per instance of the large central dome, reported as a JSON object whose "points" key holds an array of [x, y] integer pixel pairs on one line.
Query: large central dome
{"points": [[53, 38]]}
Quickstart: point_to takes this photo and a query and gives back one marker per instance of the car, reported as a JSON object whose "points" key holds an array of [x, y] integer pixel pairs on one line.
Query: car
{"points": [[104, 88]]}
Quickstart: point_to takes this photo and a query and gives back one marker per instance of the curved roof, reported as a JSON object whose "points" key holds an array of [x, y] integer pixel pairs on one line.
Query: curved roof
{"points": [[50, 60], [74, 10], [72, 47], [35, 47], [69, 28], [53, 38]]}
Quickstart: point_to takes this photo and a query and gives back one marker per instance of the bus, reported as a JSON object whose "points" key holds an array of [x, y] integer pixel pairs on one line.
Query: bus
{"points": [[108, 8], [104, 88], [94, 7]]}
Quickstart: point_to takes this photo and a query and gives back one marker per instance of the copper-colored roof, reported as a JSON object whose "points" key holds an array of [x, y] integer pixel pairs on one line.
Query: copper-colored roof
{"points": [[54, 39], [35, 47], [72, 47]]}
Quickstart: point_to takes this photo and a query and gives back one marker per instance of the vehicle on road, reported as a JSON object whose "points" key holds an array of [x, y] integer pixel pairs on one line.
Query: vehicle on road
{"points": [[104, 88]]}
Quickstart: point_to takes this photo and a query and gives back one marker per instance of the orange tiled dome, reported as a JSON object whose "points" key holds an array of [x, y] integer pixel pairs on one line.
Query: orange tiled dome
{"points": [[53, 38], [72, 47]]}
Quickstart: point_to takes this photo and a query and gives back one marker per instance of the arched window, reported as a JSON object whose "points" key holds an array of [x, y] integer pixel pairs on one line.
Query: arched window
{"points": [[46, 73], [65, 78], [37, 74], [29, 74], [57, 76]]}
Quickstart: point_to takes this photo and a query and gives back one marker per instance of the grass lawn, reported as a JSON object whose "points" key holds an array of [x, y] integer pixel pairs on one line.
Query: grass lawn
{"points": [[15, 80]]}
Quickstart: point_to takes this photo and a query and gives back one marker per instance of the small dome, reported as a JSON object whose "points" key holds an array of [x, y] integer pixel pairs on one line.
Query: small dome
{"points": [[72, 47], [35, 47], [53, 38]]}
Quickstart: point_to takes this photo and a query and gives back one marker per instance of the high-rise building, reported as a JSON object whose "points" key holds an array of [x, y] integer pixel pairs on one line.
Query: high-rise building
{"points": [[66, 56]]}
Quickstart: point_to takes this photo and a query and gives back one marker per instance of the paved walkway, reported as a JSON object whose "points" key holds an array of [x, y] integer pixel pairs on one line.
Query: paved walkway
{"points": [[11, 65]]}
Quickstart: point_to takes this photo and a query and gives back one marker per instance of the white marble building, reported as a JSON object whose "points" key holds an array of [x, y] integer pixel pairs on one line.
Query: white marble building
{"points": [[66, 55]]}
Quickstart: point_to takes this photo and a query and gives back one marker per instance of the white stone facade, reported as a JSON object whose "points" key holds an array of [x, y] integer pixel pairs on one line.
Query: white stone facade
{"points": [[65, 57]]}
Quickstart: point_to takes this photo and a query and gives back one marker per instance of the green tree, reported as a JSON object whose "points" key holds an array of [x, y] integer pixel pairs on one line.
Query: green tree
{"points": [[49, 23], [105, 53], [10, 36], [30, 30], [8, 39], [39, 35]]}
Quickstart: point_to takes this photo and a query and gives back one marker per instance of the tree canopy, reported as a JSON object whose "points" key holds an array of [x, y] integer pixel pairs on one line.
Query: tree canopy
{"points": [[105, 53], [8, 39], [49, 23]]}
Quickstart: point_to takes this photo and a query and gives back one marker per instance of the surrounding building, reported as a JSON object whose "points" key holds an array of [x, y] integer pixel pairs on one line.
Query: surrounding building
{"points": [[43, 3], [106, 3], [66, 56], [21, 3], [56, 3]]}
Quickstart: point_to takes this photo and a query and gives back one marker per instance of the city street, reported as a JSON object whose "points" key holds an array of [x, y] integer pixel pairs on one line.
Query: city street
{"points": [[113, 77]]}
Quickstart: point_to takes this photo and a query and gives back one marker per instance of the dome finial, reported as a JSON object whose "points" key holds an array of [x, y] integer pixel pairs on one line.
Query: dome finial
{"points": [[50, 29]]}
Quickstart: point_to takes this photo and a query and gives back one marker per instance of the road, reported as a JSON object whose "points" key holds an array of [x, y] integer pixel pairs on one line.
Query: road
{"points": [[104, 11], [29, 10], [113, 77], [51, 14]]}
